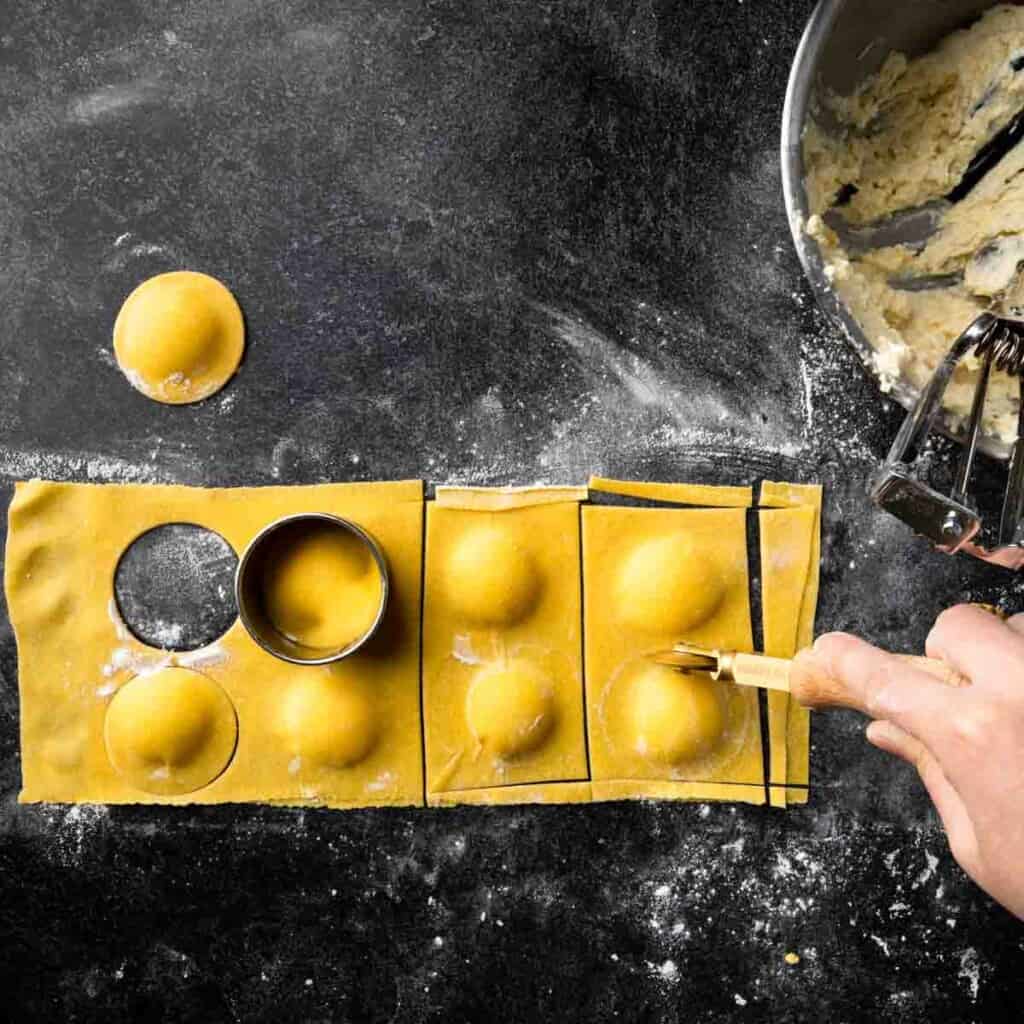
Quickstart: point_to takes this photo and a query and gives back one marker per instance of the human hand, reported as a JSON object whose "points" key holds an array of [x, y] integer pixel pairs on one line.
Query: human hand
{"points": [[967, 743]]}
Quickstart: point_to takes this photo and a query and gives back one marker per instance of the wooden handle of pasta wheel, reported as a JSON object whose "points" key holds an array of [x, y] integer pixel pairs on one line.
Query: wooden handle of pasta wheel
{"points": [[758, 670], [934, 667], [825, 692]]}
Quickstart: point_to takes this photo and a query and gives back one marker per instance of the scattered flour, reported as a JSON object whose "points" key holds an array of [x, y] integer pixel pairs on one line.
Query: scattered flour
{"points": [[970, 971], [110, 100], [204, 657], [69, 465], [931, 863], [72, 829], [383, 782], [462, 650], [666, 970]]}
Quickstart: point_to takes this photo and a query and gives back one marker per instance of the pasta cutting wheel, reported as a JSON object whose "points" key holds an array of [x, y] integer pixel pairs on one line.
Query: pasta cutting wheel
{"points": [[766, 673], [950, 521], [728, 666]]}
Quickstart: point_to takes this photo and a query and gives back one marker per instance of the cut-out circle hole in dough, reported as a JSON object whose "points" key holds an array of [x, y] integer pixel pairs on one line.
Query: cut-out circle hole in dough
{"points": [[174, 587], [328, 721], [510, 707], [170, 732], [668, 585], [179, 337], [489, 578], [675, 717]]}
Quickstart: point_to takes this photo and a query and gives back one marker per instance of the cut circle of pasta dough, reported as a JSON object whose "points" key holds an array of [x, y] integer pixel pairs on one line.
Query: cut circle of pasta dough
{"points": [[675, 717], [179, 337], [509, 708], [328, 721], [668, 585], [491, 580], [170, 732], [321, 585]]}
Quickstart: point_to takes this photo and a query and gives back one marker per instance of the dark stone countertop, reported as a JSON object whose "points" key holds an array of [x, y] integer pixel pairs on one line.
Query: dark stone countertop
{"points": [[497, 243]]}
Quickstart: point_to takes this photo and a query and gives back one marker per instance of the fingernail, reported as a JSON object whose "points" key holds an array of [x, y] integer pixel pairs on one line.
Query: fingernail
{"points": [[876, 731], [827, 638]]}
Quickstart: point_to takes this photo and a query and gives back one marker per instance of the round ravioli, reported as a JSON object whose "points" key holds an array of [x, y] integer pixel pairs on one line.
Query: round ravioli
{"points": [[179, 337], [170, 732], [668, 585], [490, 579], [675, 717], [328, 721], [322, 587], [510, 707]]}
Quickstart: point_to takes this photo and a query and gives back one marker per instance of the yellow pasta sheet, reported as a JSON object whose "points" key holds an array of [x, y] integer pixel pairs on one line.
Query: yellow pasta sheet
{"points": [[341, 735], [522, 589]]}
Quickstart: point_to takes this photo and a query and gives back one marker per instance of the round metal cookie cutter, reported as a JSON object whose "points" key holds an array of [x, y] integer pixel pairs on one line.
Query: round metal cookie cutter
{"points": [[249, 592]]}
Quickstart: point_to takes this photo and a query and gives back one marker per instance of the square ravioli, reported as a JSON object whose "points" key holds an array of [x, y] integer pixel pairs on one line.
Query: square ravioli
{"points": [[502, 646], [106, 718], [654, 577]]}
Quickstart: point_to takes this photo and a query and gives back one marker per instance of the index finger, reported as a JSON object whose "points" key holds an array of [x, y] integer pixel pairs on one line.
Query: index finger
{"points": [[882, 685], [978, 645]]}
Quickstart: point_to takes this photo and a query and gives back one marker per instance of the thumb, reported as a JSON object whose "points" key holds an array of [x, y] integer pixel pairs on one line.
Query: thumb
{"points": [[957, 822]]}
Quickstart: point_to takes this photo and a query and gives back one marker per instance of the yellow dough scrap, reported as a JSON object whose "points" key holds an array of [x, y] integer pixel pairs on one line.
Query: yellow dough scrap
{"points": [[675, 789], [540, 793], [668, 584], [328, 721], [510, 708], [675, 717], [490, 577], [790, 567], [179, 337], [677, 494], [321, 586], [170, 732], [502, 499]]}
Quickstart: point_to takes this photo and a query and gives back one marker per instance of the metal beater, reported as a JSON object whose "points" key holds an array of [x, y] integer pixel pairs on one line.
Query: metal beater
{"points": [[950, 522]]}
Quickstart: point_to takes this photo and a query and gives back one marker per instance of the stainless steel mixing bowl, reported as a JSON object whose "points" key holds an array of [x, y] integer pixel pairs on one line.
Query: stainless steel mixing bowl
{"points": [[844, 42]]}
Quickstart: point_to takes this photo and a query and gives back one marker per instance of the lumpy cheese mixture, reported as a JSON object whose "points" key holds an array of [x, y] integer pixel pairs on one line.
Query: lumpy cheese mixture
{"points": [[899, 157]]}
